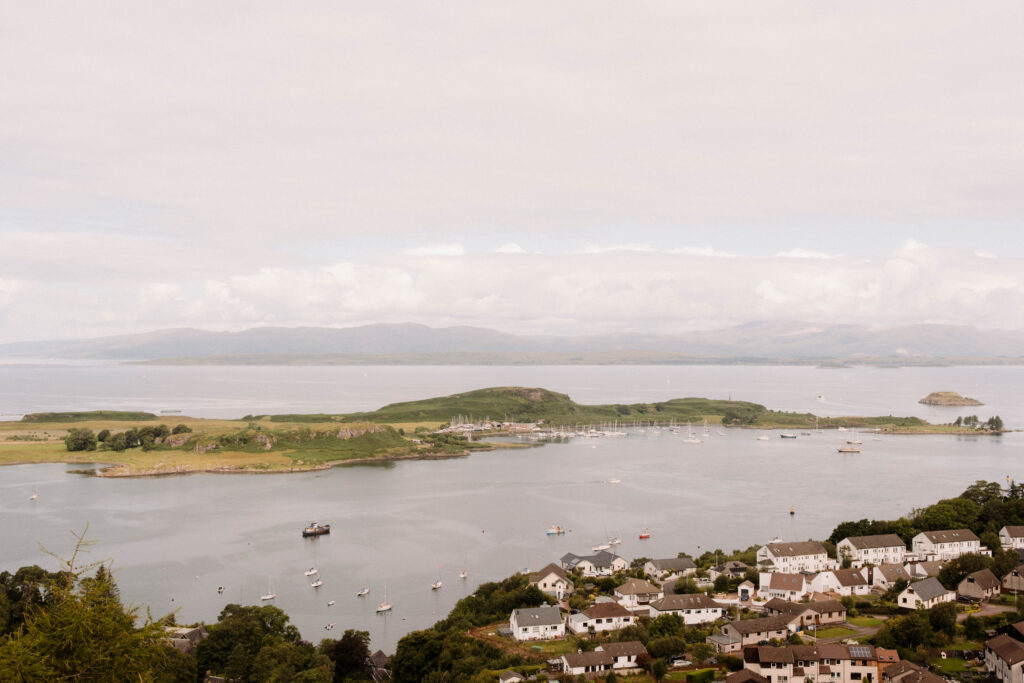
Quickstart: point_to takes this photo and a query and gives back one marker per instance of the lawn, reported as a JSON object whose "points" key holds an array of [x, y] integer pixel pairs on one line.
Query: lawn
{"points": [[834, 632], [950, 665], [866, 622]]}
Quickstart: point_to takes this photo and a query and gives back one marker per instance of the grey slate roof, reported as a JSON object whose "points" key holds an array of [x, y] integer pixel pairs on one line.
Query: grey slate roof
{"points": [[796, 548], [786, 582], [774, 623], [929, 589], [674, 564], [545, 615], [893, 572], [626, 649], [675, 601], [876, 541], [950, 536]]}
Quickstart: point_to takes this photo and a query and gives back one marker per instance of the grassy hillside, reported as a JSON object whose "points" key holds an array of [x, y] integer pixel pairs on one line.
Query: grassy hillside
{"points": [[89, 415]]}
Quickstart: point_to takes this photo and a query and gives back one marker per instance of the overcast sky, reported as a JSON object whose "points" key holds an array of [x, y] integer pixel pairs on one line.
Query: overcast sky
{"points": [[567, 167]]}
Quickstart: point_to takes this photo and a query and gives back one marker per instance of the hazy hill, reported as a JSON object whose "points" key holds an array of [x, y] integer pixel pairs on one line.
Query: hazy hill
{"points": [[768, 340]]}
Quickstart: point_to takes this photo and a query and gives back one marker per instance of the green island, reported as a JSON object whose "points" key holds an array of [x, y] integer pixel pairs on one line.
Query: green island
{"points": [[143, 444], [948, 398], [72, 625]]}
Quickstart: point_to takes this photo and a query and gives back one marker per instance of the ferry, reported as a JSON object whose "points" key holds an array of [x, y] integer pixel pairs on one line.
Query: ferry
{"points": [[315, 529]]}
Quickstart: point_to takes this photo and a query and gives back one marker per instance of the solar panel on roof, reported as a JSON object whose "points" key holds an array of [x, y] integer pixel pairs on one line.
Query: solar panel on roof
{"points": [[860, 652]]}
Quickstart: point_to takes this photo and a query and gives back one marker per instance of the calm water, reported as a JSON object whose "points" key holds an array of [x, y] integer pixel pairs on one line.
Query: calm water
{"points": [[175, 539]]}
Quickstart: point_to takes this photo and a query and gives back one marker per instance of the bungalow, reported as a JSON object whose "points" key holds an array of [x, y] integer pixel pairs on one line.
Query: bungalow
{"points": [[604, 616], [947, 545], [925, 594], [670, 568], [1004, 658], [754, 631], [825, 662], [625, 655], [1014, 581], [602, 563], [637, 594], [841, 581], [877, 549], [1011, 537], [978, 586], [510, 677], [908, 672], [733, 569], [696, 608], [746, 590], [790, 587], [808, 613], [552, 580], [885, 576], [537, 623], [796, 556], [582, 663]]}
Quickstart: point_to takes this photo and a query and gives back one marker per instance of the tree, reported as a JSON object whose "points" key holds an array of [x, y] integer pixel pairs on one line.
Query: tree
{"points": [[686, 586], [84, 634], [666, 625], [239, 635], [943, 618], [702, 652], [181, 429], [103, 435], [80, 440], [659, 669], [351, 656], [954, 571]]}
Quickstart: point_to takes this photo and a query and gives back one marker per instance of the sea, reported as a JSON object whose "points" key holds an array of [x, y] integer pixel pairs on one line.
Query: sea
{"points": [[398, 527]]}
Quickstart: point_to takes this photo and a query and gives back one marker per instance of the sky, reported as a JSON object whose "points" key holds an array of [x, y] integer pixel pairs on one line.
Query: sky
{"points": [[534, 167]]}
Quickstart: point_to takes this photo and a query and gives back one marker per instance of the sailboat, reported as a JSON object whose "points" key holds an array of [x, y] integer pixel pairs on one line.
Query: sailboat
{"points": [[463, 574], [362, 592], [437, 584], [763, 437], [312, 571], [317, 583], [384, 606], [35, 494], [270, 594], [690, 436]]}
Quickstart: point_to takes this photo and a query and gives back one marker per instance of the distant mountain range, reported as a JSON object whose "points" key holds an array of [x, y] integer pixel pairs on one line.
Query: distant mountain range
{"points": [[413, 343]]}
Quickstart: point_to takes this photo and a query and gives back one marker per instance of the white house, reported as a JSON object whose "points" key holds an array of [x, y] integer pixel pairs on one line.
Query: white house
{"points": [[841, 581], [805, 614], [1004, 658], [624, 655], [877, 549], [696, 608], [795, 556], [637, 594], [537, 623], [947, 545], [752, 631], [552, 580], [602, 563], [583, 663], [824, 662], [670, 568], [791, 587], [1011, 537], [733, 569], [884, 576], [604, 616], [925, 594]]}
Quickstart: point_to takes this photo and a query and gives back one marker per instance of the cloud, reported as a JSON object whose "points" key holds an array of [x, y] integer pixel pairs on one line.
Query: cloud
{"points": [[437, 250], [805, 253], [510, 248]]}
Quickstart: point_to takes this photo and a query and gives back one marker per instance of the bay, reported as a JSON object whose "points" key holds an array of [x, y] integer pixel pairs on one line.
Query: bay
{"points": [[174, 540]]}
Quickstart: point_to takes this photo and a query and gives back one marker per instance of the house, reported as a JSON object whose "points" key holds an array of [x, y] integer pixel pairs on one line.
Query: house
{"points": [[695, 608], [670, 568], [790, 587], [746, 676], [724, 643], [537, 623], [841, 581], [947, 545], [637, 594], [753, 631], [808, 613], [733, 569], [602, 563], [552, 580], [1014, 581], [625, 655], [925, 594], [877, 549], [510, 677], [1011, 537], [908, 672], [746, 590], [582, 663], [978, 586], [186, 638], [922, 570], [885, 658], [885, 576], [796, 556], [1004, 658], [825, 662], [603, 616]]}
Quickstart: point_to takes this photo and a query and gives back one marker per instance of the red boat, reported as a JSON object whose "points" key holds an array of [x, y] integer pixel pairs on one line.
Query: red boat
{"points": [[315, 529], [645, 534]]}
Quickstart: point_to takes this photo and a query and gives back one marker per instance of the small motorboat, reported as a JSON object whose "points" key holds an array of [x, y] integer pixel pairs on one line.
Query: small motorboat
{"points": [[614, 541], [268, 596], [645, 534], [317, 583], [312, 571], [220, 589], [787, 435], [330, 603], [436, 585], [463, 574], [601, 546], [364, 591]]}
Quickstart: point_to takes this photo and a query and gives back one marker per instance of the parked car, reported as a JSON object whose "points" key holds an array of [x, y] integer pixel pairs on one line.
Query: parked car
{"points": [[679, 661]]}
